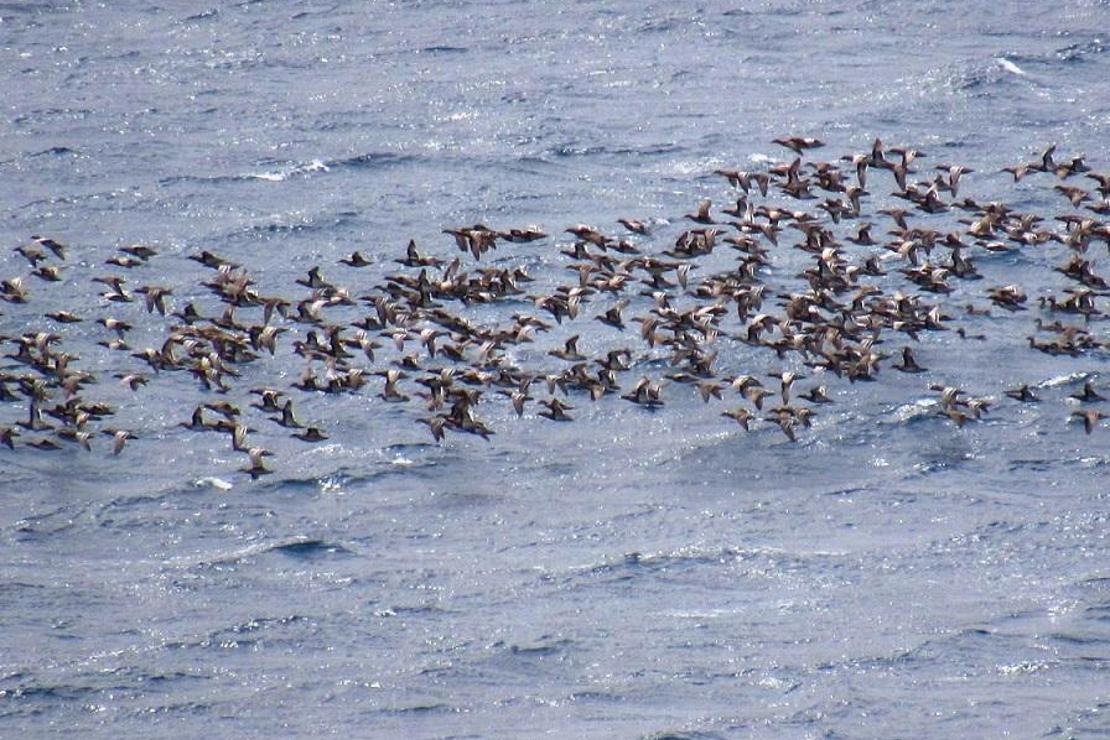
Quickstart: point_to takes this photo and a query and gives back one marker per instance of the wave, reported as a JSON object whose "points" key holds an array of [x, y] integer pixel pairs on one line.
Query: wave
{"points": [[241, 635], [1078, 53], [56, 151], [633, 564], [280, 174], [371, 160], [418, 709], [202, 16], [443, 50], [284, 171], [301, 547], [576, 150], [1065, 379]]}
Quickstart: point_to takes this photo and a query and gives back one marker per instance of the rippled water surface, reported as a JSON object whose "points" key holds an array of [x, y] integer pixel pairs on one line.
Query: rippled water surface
{"points": [[633, 573]]}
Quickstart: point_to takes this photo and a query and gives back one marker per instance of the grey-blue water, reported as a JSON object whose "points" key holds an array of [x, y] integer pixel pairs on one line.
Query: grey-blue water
{"points": [[632, 573]]}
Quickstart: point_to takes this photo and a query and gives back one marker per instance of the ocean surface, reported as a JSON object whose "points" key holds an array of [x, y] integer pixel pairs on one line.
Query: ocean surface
{"points": [[635, 573]]}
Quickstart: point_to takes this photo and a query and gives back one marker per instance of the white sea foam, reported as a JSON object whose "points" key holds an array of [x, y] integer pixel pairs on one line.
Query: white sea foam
{"points": [[212, 482], [285, 173], [1010, 67]]}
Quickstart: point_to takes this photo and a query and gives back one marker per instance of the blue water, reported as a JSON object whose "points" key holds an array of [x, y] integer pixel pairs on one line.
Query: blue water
{"points": [[633, 573]]}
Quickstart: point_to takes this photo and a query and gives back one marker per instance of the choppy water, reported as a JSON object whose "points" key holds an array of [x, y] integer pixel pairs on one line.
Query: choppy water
{"points": [[632, 573]]}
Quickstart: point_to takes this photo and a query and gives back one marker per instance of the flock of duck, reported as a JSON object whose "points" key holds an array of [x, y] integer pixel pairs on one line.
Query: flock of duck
{"points": [[861, 303]]}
